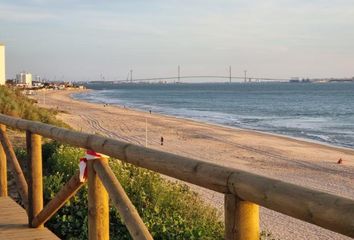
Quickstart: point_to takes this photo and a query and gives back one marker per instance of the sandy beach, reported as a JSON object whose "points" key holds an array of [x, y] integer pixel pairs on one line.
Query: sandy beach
{"points": [[297, 161]]}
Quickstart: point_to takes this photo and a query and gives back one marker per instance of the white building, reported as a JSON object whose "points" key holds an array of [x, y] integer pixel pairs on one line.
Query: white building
{"points": [[24, 78], [2, 65]]}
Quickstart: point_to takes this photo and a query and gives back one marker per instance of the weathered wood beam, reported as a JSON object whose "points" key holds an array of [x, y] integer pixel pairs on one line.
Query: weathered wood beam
{"points": [[98, 208], [3, 168], [15, 167], [35, 179], [323, 209], [241, 219], [65, 193], [332, 212], [198, 172], [130, 216]]}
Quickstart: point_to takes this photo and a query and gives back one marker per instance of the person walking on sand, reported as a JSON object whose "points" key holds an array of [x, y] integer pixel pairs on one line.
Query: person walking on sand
{"points": [[161, 141]]}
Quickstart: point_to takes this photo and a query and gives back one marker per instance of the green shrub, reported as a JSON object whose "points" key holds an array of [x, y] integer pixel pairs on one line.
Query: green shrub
{"points": [[170, 210], [14, 103]]}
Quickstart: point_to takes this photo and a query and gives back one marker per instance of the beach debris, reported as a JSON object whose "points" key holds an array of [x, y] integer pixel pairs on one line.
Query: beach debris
{"points": [[161, 141], [340, 161], [90, 155]]}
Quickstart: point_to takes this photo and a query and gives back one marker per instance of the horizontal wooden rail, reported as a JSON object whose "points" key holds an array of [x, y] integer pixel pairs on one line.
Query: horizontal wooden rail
{"points": [[320, 208], [201, 173], [323, 209]]}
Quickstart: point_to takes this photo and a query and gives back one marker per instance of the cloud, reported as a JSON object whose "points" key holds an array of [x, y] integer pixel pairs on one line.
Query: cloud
{"points": [[25, 14], [114, 34]]}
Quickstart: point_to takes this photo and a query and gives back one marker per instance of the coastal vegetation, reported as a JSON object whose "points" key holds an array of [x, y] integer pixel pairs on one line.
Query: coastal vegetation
{"points": [[165, 206], [170, 210], [14, 103]]}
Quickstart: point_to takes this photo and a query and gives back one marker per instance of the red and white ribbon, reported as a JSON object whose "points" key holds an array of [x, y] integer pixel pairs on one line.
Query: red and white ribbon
{"points": [[90, 155]]}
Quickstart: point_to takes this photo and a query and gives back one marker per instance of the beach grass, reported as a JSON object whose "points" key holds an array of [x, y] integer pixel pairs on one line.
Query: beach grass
{"points": [[14, 103]]}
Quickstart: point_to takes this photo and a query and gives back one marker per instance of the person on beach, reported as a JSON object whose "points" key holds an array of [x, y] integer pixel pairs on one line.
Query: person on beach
{"points": [[161, 141]]}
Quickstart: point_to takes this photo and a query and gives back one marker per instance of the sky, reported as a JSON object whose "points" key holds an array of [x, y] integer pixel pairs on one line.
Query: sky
{"points": [[90, 40]]}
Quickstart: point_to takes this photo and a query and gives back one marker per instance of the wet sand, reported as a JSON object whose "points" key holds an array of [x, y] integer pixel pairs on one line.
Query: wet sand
{"points": [[297, 161]]}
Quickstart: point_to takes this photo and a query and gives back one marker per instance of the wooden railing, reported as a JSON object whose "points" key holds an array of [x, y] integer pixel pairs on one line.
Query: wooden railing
{"points": [[244, 192]]}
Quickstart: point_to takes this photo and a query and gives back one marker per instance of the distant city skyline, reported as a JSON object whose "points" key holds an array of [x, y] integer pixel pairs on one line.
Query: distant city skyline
{"points": [[85, 40]]}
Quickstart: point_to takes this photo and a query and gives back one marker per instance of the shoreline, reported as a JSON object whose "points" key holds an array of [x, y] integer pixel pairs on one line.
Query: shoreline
{"points": [[296, 161], [301, 139]]}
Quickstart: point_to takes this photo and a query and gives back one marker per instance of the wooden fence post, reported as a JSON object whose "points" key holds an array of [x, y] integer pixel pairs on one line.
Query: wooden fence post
{"points": [[128, 213], [35, 185], [98, 209], [241, 219], [3, 168]]}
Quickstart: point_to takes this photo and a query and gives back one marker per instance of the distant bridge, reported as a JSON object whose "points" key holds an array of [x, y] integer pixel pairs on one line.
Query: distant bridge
{"points": [[178, 79]]}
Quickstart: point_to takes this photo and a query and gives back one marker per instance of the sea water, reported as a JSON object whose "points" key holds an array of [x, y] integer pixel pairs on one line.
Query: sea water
{"points": [[322, 112]]}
